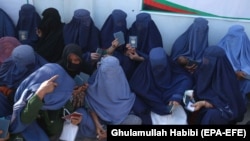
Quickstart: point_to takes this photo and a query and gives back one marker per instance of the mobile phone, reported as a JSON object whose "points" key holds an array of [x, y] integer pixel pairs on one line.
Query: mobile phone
{"points": [[133, 41], [120, 36], [81, 78], [189, 101], [101, 51], [74, 114]]}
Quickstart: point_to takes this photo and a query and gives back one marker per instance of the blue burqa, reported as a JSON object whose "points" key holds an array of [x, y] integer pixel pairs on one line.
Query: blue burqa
{"points": [[108, 94], [216, 83], [7, 26], [192, 42], [156, 82], [22, 62], [27, 24], [148, 37], [5, 106], [115, 22], [237, 46], [52, 101]]}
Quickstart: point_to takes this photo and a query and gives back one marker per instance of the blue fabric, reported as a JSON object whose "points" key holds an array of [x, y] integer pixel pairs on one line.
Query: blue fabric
{"points": [[87, 126], [81, 30], [5, 106], [7, 44], [156, 83], [115, 22], [148, 37], [237, 46], [7, 26], [147, 32], [28, 21], [192, 42], [52, 101], [22, 62], [110, 95], [216, 83]]}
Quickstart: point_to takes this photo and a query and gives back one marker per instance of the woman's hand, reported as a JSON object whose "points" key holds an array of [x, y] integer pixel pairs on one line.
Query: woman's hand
{"points": [[78, 95], [76, 119], [191, 68], [175, 103], [199, 104], [101, 133], [129, 49], [115, 43], [47, 87], [39, 32], [4, 139], [112, 48], [240, 75], [94, 56], [81, 88], [132, 54]]}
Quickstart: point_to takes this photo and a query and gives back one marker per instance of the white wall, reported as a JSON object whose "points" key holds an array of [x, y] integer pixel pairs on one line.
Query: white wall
{"points": [[65, 7], [170, 25], [12, 7]]}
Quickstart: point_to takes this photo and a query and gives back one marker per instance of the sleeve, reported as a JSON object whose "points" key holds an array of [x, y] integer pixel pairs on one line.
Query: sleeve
{"points": [[30, 112]]}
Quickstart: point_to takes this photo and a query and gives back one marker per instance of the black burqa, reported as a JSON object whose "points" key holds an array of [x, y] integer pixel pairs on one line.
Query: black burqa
{"points": [[70, 48], [50, 45]]}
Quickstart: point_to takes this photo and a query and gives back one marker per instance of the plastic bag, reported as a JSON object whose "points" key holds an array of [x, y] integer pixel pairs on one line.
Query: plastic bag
{"points": [[177, 117], [69, 130]]}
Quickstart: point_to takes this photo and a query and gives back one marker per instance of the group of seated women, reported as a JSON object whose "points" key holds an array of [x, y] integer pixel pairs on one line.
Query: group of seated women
{"points": [[128, 85]]}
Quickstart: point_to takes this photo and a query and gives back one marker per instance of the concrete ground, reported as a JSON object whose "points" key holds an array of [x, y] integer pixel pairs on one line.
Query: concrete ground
{"points": [[247, 115]]}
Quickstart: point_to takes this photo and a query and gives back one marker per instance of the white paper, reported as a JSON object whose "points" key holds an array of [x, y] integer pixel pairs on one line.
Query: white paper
{"points": [[178, 117], [69, 131]]}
